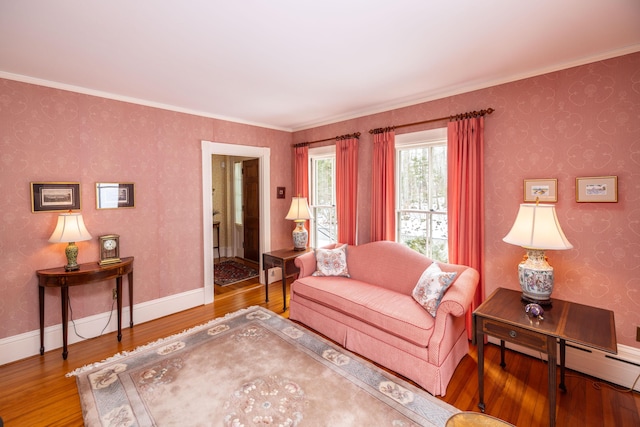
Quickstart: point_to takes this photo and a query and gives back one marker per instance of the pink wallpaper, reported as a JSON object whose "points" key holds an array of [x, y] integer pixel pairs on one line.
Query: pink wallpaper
{"points": [[583, 121], [54, 135], [579, 122]]}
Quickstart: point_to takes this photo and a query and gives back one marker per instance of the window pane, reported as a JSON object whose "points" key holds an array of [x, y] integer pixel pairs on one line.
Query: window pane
{"points": [[324, 227], [422, 198]]}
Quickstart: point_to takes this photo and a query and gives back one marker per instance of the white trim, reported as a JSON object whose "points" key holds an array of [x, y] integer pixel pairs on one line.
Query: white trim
{"points": [[27, 344], [264, 159], [621, 369]]}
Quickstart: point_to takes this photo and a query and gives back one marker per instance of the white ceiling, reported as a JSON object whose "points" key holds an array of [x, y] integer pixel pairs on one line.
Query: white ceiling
{"points": [[296, 64]]}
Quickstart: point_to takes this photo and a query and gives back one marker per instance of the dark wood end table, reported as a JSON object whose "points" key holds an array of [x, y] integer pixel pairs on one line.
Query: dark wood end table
{"points": [[502, 316], [87, 273], [283, 258]]}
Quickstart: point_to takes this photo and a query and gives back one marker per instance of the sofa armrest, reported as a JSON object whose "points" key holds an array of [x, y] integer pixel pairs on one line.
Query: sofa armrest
{"points": [[455, 303], [306, 263]]}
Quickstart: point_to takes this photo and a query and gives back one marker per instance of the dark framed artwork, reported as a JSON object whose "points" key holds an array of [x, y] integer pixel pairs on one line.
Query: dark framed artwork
{"points": [[55, 196], [114, 195]]}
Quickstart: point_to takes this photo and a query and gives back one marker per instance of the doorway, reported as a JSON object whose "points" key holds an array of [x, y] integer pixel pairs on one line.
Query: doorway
{"points": [[262, 156]]}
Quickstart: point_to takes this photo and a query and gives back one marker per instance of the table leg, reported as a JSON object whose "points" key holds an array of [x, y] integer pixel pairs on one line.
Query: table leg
{"points": [[480, 341], [503, 364], [41, 299], [265, 270], [119, 301], [130, 281], [552, 355], [64, 301], [284, 289], [563, 343]]}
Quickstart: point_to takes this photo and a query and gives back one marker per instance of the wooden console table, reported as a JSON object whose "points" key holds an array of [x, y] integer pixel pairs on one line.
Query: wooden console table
{"points": [[283, 258], [88, 273], [502, 315]]}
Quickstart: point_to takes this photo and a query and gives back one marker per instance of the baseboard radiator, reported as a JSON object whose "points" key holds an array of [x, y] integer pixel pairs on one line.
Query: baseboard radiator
{"points": [[621, 369]]}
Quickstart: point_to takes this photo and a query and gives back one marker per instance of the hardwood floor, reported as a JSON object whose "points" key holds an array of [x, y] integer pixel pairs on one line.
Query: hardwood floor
{"points": [[35, 391]]}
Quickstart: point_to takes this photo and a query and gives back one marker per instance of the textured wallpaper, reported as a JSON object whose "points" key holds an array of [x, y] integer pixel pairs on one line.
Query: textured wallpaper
{"points": [[53, 135], [579, 122]]}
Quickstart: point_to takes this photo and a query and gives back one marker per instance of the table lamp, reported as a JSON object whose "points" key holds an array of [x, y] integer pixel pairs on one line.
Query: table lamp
{"points": [[537, 229], [71, 229], [299, 213]]}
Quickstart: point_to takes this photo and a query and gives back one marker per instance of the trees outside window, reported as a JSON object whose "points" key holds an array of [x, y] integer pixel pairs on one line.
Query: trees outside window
{"points": [[421, 168], [322, 196]]}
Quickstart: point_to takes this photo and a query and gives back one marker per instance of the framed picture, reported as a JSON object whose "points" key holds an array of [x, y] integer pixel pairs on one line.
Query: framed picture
{"points": [[114, 195], [55, 196], [543, 190], [597, 189]]}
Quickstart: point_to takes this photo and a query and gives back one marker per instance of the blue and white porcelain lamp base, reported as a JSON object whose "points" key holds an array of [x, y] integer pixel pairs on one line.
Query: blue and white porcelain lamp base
{"points": [[300, 236], [536, 278]]}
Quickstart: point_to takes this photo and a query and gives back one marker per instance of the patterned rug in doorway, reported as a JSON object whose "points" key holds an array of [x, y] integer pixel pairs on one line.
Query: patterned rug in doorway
{"points": [[229, 272]]}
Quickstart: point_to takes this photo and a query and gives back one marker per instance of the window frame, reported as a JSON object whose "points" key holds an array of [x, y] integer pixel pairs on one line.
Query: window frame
{"points": [[424, 139], [320, 153]]}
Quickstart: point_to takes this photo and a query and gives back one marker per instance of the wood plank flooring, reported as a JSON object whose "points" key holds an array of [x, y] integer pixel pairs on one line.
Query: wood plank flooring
{"points": [[35, 391]]}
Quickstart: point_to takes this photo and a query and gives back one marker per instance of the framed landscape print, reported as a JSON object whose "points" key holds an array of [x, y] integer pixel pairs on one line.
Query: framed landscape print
{"points": [[543, 190], [602, 189], [55, 196], [114, 195]]}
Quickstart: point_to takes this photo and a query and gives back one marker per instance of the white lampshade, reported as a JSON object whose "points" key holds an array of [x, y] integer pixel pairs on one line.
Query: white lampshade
{"points": [[299, 209], [537, 227], [70, 228]]}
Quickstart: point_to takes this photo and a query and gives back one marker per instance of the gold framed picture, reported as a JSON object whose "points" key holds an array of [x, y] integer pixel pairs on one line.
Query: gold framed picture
{"points": [[543, 190], [114, 195], [598, 189]]}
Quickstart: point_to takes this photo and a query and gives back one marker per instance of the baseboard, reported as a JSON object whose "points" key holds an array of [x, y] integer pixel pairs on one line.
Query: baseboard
{"points": [[28, 344], [621, 369]]}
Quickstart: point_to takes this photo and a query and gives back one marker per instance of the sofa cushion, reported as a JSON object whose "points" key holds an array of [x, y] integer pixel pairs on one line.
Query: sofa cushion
{"points": [[431, 287], [393, 312], [332, 262]]}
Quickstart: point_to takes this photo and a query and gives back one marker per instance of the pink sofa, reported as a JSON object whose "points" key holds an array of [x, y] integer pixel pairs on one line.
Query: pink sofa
{"points": [[373, 313]]}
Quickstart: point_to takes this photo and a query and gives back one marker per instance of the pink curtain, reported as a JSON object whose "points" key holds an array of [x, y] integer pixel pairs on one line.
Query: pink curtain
{"points": [[347, 189], [301, 184], [302, 171], [465, 158], [383, 212]]}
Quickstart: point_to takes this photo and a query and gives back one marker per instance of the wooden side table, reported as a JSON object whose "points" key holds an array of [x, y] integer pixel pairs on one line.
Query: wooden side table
{"points": [[502, 315], [88, 273], [283, 258]]}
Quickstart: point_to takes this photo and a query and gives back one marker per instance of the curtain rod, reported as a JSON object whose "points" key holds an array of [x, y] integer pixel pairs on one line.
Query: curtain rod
{"points": [[467, 115], [335, 138]]}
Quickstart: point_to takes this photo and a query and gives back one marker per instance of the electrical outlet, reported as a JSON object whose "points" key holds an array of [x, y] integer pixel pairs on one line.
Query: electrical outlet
{"points": [[638, 333], [115, 293]]}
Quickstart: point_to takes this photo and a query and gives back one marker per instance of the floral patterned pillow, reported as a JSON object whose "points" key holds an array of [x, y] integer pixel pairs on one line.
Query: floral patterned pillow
{"points": [[431, 287], [332, 262]]}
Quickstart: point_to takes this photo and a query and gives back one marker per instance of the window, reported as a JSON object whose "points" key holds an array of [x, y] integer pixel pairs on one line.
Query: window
{"points": [[421, 191], [322, 196]]}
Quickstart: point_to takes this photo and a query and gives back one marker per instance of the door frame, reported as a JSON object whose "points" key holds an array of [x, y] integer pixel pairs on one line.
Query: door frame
{"points": [[263, 154]]}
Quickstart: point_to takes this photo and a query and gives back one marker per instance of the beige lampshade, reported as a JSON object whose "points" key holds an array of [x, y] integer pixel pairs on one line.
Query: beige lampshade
{"points": [[70, 228], [537, 227], [299, 209]]}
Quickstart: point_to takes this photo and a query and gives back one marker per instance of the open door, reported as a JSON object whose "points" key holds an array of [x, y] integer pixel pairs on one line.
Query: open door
{"points": [[251, 209]]}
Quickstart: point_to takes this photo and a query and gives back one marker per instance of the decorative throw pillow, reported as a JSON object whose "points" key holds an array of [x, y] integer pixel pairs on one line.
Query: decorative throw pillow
{"points": [[431, 287], [332, 262]]}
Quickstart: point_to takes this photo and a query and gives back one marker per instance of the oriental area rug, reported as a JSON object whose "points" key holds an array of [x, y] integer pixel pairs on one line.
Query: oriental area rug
{"points": [[250, 368], [228, 272]]}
